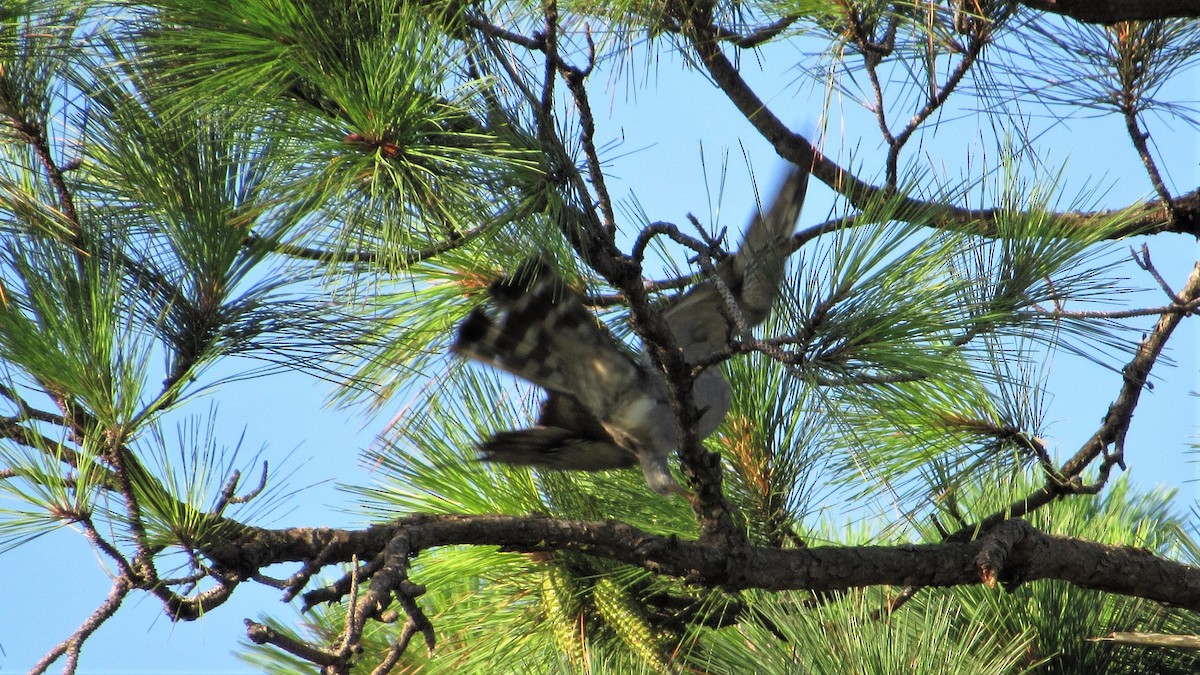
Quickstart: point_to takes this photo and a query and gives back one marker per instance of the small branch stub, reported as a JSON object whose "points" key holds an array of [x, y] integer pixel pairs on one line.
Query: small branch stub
{"points": [[998, 545]]}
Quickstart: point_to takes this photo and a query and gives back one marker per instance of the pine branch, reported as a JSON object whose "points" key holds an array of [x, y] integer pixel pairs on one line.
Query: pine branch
{"points": [[1114, 11], [1015, 554], [1148, 218]]}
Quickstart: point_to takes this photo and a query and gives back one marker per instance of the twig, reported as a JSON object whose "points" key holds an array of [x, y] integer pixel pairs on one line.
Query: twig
{"points": [[759, 35], [938, 97], [732, 312], [1116, 421], [1185, 309], [575, 78], [229, 492], [417, 621], [261, 634], [648, 233], [390, 581], [1139, 138], [370, 257], [192, 578], [872, 57], [713, 242], [353, 631], [71, 646], [549, 47], [397, 649], [534, 43], [98, 540], [340, 588], [184, 608], [652, 286], [1145, 263]]}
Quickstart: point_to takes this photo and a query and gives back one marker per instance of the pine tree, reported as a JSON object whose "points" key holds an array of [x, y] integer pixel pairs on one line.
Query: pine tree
{"points": [[194, 192]]}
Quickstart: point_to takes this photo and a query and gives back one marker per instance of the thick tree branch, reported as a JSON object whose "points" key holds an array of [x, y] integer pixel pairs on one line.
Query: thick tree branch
{"points": [[1113, 11], [1016, 554]]}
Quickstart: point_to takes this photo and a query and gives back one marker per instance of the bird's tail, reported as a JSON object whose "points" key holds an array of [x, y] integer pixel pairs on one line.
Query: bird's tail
{"points": [[554, 448]]}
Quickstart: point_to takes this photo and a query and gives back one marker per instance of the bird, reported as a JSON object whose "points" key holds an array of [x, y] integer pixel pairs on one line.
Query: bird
{"points": [[606, 408]]}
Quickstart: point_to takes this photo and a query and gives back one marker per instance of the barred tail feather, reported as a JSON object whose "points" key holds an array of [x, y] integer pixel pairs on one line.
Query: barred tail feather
{"points": [[554, 448]]}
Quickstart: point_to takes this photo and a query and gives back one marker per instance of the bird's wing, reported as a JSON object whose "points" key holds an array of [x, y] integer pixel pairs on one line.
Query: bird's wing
{"points": [[544, 334], [752, 275]]}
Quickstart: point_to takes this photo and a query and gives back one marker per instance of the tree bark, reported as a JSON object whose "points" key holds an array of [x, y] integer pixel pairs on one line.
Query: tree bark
{"points": [[1012, 554], [1113, 11]]}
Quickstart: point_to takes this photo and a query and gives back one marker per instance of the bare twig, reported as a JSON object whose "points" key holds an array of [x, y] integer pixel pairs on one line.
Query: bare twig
{"points": [[575, 78], [534, 43], [1143, 261], [397, 649], [1139, 138], [937, 97], [229, 492], [371, 257], [390, 581], [353, 630], [71, 646], [98, 540], [339, 588], [261, 634], [652, 286], [759, 35], [1183, 308], [872, 57]]}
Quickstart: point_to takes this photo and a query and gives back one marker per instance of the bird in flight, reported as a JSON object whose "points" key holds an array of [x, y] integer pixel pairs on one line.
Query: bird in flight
{"points": [[605, 408]]}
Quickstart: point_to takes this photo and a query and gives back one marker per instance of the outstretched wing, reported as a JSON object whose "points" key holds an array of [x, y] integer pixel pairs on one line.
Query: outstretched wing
{"points": [[544, 334], [752, 275]]}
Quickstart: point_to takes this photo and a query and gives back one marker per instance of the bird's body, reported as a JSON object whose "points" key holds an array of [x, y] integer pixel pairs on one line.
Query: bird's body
{"points": [[606, 409]]}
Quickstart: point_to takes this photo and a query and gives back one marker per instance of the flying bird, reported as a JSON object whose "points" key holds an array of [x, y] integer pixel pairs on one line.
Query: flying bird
{"points": [[606, 408]]}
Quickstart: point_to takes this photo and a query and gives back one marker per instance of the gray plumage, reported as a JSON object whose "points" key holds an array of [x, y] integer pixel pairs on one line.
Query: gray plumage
{"points": [[605, 409]]}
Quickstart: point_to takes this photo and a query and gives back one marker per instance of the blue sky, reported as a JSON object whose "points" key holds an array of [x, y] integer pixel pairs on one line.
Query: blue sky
{"points": [[658, 160]]}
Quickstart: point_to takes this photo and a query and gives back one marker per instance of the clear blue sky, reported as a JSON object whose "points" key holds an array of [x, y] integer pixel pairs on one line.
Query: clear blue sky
{"points": [[658, 160]]}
